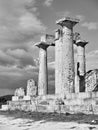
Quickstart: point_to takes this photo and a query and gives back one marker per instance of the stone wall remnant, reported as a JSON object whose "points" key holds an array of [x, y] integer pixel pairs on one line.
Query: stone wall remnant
{"points": [[91, 81], [31, 88], [19, 92]]}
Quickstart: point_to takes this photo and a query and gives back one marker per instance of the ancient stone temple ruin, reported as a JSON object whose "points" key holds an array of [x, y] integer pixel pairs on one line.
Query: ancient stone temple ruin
{"points": [[75, 89]]}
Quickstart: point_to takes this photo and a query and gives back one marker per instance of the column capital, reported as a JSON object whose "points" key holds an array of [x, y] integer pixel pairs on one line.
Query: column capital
{"points": [[42, 45], [45, 41], [68, 22], [48, 39], [81, 43]]}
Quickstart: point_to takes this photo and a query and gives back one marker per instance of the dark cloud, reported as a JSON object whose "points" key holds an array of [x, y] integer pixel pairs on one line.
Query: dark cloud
{"points": [[18, 24], [17, 57], [23, 58]]}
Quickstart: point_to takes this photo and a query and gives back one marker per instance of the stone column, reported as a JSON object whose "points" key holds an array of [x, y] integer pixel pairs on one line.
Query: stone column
{"points": [[58, 61], [43, 72], [81, 56], [46, 41], [66, 59], [81, 64]]}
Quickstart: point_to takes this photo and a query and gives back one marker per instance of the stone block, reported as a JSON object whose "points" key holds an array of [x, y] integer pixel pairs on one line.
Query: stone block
{"points": [[68, 96], [4, 107], [94, 94], [19, 92], [42, 108], [89, 101], [95, 109], [73, 102], [83, 95], [26, 98], [15, 98], [71, 96]]}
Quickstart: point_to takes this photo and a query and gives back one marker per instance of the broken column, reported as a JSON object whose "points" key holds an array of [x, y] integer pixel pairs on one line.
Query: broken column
{"points": [[81, 64], [31, 88], [65, 56], [46, 41]]}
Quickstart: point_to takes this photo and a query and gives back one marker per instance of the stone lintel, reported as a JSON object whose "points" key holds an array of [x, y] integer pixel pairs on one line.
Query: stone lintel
{"points": [[67, 21], [81, 43]]}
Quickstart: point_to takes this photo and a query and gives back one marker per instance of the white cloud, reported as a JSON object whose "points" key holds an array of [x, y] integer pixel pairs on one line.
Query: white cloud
{"points": [[92, 60], [90, 25], [48, 3], [93, 53], [63, 13]]}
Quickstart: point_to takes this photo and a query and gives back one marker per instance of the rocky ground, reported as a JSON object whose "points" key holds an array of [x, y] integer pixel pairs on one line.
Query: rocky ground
{"points": [[16, 120]]}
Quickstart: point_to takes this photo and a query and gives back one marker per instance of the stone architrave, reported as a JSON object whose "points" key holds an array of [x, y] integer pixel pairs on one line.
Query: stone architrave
{"points": [[65, 56], [31, 88], [46, 41]]}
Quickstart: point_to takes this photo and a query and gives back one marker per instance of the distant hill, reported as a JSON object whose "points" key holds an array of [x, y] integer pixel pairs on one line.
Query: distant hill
{"points": [[4, 99]]}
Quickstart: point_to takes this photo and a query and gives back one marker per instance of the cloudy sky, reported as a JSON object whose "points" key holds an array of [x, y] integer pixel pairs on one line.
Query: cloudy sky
{"points": [[22, 22]]}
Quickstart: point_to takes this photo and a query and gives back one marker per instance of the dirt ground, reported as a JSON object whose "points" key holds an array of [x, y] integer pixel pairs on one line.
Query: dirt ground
{"points": [[20, 120]]}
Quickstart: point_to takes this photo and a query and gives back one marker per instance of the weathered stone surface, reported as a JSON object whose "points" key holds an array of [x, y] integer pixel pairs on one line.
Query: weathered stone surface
{"points": [[91, 81], [65, 57], [31, 88], [26, 98], [19, 92], [4, 107], [15, 98]]}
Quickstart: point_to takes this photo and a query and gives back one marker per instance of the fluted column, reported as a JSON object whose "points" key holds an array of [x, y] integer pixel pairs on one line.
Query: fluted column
{"points": [[67, 57]]}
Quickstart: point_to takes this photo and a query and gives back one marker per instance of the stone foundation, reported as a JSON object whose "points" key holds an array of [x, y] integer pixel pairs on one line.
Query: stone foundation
{"points": [[73, 103]]}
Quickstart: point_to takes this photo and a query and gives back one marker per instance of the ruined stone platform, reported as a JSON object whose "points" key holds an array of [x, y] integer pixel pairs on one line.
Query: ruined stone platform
{"points": [[73, 103]]}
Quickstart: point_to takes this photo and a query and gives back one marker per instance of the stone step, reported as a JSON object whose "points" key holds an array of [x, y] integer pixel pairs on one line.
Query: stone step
{"points": [[93, 101], [42, 108]]}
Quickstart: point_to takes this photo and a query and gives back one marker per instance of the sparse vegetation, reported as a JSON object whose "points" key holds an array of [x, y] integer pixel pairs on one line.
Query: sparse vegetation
{"points": [[4, 99]]}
